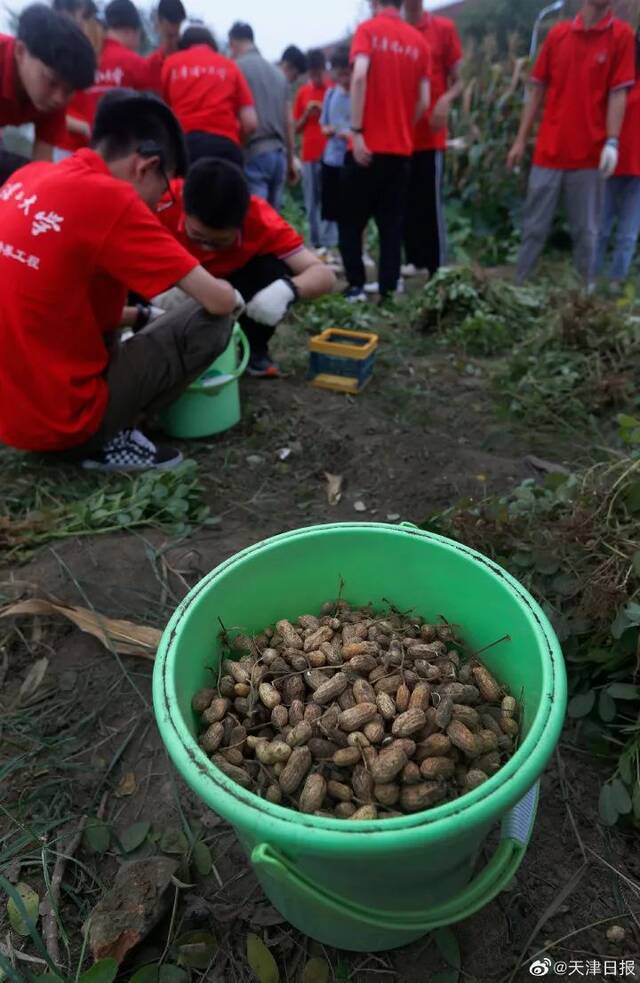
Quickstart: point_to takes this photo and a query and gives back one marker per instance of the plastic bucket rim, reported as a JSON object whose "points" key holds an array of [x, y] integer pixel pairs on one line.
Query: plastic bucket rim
{"points": [[548, 718]]}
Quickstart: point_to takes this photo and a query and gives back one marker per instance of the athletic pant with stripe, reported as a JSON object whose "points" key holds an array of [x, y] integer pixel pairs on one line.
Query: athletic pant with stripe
{"points": [[583, 194], [425, 230]]}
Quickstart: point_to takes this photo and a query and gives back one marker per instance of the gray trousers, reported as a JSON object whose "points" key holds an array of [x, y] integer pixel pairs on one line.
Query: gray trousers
{"points": [[321, 232], [583, 193], [151, 370]]}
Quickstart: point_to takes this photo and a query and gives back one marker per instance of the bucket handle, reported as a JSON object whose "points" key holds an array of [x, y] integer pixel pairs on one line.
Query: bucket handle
{"points": [[517, 827], [239, 337]]}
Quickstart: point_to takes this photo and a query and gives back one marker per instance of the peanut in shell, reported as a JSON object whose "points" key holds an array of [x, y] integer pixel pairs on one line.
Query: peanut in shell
{"points": [[490, 689], [357, 717], [408, 723], [295, 770], [313, 793]]}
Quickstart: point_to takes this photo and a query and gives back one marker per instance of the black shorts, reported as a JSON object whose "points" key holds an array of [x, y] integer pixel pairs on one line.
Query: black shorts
{"points": [[331, 193]]}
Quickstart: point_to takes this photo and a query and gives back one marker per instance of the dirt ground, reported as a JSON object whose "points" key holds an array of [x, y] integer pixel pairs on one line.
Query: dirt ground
{"points": [[423, 435]]}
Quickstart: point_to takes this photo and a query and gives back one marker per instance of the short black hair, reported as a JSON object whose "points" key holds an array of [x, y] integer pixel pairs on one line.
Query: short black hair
{"points": [[57, 41], [317, 58], [121, 14], [340, 58], [172, 11], [216, 193], [197, 35], [69, 7], [241, 32], [394, 3], [126, 120], [296, 58]]}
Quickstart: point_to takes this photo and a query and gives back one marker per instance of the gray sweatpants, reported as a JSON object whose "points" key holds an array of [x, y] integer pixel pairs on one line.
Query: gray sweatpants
{"points": [[583, 193]]}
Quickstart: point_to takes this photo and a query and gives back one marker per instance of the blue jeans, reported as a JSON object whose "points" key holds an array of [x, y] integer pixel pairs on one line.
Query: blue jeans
{"points": [[621, 208], [266, 174], [321, 232]]}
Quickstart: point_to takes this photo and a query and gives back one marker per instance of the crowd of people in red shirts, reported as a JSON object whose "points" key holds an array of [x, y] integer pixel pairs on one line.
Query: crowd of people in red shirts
{"points": [[153, 199]]}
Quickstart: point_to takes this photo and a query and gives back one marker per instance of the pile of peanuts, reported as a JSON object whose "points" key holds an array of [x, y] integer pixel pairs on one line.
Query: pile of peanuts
{"points": [[353, 715]]}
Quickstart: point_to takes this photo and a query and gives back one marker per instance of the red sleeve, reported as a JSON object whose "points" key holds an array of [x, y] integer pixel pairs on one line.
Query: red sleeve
{"points": [[244, 95], [52, 128], [144, 75], [623, 70], [542, 69], [279, 238], [142, 254], [361, 44], [155, 61], [454, 49]]}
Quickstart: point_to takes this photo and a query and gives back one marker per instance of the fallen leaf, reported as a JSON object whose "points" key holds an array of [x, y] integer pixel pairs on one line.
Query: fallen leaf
{"points": [[202, 858], [123, 637], [31, 902], [316, 971], [127, 786], [196, 949], [360, 506], [104, 971], [334, 487], [173, 841], [96, 836], [254, 460], [33, 679], [261, 961]]}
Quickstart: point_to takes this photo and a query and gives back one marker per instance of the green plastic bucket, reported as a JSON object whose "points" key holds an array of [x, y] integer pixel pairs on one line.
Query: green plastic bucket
{"points": [[212, 404], [369, 886]]}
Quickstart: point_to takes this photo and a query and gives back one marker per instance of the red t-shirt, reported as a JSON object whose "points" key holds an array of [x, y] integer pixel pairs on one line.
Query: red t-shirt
{"points": [[629, 160], [264, 233], [118, 68], [73, 241], [398, 62], [579, 68], [313, 139], [443, 40], [206, 91], [78, 109], [155, 61], [16, 107]]}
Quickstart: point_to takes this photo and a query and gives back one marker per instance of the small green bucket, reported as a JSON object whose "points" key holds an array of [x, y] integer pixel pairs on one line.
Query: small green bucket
{"points": [[212, 404], [368, 886]]}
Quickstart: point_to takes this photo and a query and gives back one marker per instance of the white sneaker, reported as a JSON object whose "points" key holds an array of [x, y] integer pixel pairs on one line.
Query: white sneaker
{"points": [[354, 295], [374, 287], [410, 270]]}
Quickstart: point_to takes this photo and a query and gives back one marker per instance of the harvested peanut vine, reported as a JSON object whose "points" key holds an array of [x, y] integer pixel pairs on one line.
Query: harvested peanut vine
{"points": [[353, 715]]}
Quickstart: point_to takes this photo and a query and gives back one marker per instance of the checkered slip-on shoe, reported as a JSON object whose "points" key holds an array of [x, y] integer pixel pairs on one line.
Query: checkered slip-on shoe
{"points": [[130, 450]]}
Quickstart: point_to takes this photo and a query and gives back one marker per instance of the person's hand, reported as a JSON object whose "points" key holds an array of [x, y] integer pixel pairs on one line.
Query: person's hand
{"points": [[270, 305], [516, 154], [294, 171], [440, 113], [361, 152], [609, 158]]}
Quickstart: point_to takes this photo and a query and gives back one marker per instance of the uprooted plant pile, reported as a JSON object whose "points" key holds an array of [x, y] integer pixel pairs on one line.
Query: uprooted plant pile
{"points": [[350, 715], [574, 542], [585, 362], [475, 311]]}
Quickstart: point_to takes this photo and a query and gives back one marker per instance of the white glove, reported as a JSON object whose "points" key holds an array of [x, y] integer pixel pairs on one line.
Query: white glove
{"points": [[609, 158], [270, 305]]}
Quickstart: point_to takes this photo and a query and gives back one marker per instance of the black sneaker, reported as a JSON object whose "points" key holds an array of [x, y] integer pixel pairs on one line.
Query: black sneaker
{"points": [[354, 295], [130, 450], [263, 367]]}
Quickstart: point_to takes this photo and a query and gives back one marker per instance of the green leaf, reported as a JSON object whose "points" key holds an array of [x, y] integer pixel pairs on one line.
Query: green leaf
{"points": [[625, 768], [636, 563], [623, 691], [261, 961], [173, 841], [607, 807], [582, 704], [202, 858], [448, 947], [447, 976], [134, 836], [607, 709], [104, 971], [621, 797], [196, 949], [31, 901], [160, 974], [316, 971], [96, 836]]}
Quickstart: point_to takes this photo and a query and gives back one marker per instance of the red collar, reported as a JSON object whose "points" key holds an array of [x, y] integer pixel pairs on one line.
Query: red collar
{"points": [[93, 161], [603, 24], [424, 21], [392, 12]]}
